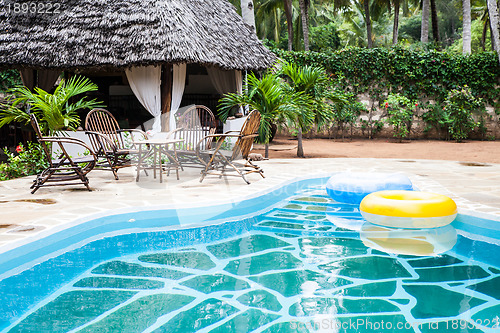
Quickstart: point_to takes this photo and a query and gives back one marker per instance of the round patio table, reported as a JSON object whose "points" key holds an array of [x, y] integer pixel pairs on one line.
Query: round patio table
{"points": [[159, 148]]}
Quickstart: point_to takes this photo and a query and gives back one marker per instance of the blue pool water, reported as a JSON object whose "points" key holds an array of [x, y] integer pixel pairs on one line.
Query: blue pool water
{"points": [[292, 260]]}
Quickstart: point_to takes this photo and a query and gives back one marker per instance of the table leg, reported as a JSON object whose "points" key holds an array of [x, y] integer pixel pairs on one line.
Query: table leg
{"points": [[161, 164], [139, 163], [177, 164], [155, 152]]}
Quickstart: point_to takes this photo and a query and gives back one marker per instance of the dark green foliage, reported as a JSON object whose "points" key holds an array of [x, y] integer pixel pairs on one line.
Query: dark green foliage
{"points": [[346, 114], [412, 73], [324, 38], [435, 117], [460, 106], [9, 79], [28, 161], [399, 114]]}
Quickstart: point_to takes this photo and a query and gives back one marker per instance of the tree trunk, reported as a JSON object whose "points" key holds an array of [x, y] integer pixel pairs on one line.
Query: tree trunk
{"points": [[466, 34], [434, 19], [485, 31], [366, 5], [266, 151], [424, 31], [304, 14], [495, 33], [491, 37], [276, 26], [289, 22], [395, 27], [300, 148], [247, 12]]}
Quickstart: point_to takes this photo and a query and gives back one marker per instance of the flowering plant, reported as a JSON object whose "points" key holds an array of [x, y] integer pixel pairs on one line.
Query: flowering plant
{"points": [[29, 160]]}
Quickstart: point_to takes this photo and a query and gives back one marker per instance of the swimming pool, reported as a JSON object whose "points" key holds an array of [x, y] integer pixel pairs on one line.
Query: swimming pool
{"points": [[291, 260]]}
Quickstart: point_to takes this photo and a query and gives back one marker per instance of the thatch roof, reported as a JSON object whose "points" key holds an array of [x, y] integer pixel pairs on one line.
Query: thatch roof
{"points": [[122, 33]]}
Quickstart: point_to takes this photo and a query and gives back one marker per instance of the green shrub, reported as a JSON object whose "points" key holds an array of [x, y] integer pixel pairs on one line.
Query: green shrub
{"points": [[415, 74], [28, 161], [436, 117], [346, 114], [399, 114], [459, 107]]}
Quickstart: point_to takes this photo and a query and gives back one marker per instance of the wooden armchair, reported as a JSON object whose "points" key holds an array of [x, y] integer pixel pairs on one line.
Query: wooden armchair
{"points": [[110, 141], [194, 124], [235, 162], [65, 169]]}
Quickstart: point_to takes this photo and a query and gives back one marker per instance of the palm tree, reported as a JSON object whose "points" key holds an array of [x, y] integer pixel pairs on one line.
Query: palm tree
{"points": [[287, 4], [366, 6], [466, 32], [268, 14], [270, 97], [424, 30], [54, 111], [304, 14], [434, 20], [395, 26], [247, 12], [495, 33], [312, 82]]}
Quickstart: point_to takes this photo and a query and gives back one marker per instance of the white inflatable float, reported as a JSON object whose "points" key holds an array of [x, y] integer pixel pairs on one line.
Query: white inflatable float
{"points": [[352, 187]]}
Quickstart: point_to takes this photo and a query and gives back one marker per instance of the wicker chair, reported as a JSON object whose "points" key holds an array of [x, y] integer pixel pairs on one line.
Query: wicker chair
{"points": [[235, 162], [110, 141], [194, 124], [65, 169]]}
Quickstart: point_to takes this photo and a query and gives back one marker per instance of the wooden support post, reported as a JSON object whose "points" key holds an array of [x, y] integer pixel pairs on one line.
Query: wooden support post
{"points": [[166, 95]]}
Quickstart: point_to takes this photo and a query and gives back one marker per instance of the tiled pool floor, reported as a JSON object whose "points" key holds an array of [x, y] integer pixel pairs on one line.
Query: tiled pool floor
{"points": [[297, 270]]}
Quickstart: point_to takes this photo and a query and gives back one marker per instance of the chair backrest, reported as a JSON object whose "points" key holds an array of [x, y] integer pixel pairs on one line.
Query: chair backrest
{"points": [[194, 124], [102, 121], [39, 137], [249, 131]]}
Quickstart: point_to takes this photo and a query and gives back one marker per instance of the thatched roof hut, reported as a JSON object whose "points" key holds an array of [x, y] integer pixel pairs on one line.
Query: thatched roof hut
{"points": [[101, 34]]}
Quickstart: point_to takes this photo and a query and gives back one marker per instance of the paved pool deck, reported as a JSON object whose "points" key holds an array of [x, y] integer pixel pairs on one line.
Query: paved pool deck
{"points": [[474, 187]]}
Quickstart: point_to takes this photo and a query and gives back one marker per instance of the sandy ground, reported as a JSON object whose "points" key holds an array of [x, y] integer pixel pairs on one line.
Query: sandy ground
{"points": [[469, 151]]}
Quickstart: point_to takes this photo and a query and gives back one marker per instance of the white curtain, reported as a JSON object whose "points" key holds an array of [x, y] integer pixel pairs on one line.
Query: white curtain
{"points": [[239, 82], [226, 81], [145, 83], [178, 84]]}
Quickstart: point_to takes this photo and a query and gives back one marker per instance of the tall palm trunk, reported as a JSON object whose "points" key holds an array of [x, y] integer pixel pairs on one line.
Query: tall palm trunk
{"points": [[366, 5], [304, 14], [395, 26], [434, 19], [247, 12], [300, 148], [466, 34], [289, 22], [495, 33], [485, 32], [424, 31]]}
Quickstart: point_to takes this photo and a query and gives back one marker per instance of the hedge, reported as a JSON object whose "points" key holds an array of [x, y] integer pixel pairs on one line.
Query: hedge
{"points": [[416, 74]]}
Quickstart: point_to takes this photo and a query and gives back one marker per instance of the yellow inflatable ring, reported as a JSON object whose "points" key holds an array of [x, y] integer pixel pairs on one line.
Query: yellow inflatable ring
{"points": [[408, 209]]}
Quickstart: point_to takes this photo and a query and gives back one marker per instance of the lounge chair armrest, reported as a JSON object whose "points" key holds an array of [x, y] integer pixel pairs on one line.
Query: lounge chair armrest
{"points": [[221, 136], [133, 131]]}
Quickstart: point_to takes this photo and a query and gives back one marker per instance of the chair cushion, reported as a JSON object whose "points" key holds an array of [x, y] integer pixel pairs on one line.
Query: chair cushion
{"points": [[83, 159]]}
